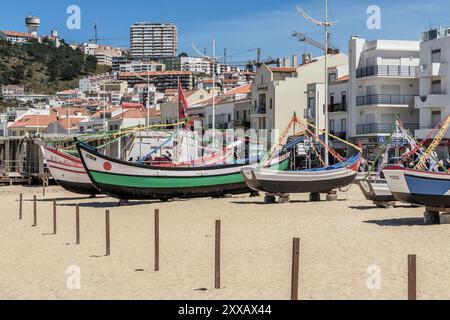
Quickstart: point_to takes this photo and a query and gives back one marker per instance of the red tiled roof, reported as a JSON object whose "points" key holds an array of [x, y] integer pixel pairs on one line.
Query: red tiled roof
{"points": [[34, 121], [62, 111], [18, 34], [154, 73], [69, 123], [137, 114], [245, 89]]}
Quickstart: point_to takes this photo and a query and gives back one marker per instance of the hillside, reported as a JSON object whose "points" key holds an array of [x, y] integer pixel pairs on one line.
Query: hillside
{"points": [[43, 68]]}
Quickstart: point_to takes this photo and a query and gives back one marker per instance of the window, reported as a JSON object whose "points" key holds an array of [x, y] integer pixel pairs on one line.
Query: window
{"points": [[311, 103], [332, 125], [262, 100], [245, 115], [435, 118], [237, 114], [436, 87], [436, 56], [331, 76], [331, 99], [229, 117], [343, 125], [270, 103], [344, 97]]}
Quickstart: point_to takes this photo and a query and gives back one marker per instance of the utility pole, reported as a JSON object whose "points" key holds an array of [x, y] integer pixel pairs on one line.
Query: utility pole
{"points": [[326, 24]]}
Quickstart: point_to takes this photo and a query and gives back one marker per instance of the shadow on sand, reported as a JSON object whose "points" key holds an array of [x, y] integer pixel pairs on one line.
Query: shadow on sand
{"points": [[401, 222], [373, 207], [292, 201]]}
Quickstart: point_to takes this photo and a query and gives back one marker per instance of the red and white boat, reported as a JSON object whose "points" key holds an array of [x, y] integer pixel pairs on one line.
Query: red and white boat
{"points": [[67, 170]]}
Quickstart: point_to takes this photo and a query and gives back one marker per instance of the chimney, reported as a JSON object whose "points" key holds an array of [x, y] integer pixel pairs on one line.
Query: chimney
{"points": [[287, 62], [294, 61], [306, 58]]}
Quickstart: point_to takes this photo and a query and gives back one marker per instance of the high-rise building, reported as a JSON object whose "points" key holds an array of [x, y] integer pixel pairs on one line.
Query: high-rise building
{"points": [[153, 39]]}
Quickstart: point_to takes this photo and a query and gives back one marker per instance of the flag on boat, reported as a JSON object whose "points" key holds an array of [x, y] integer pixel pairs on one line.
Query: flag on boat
{"points": [[182, 103]]}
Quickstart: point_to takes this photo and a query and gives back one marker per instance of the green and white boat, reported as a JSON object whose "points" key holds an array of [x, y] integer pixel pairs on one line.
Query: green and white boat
{"points": [[132, 181]]}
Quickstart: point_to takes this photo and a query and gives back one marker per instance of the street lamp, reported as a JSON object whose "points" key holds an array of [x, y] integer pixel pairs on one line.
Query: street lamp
{"points": [[213, 59]]}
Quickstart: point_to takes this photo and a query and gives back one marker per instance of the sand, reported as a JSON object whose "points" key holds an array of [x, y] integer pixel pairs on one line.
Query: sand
{"points": [[339, 241]]}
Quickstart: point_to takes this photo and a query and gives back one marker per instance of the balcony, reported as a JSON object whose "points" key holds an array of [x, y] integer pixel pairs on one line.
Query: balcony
{"points": [[337, 107], [340, 135], [259, 111], [385, 99], [241, 123], [386, 71], [432, 70], [432, 101], [381, 128]]}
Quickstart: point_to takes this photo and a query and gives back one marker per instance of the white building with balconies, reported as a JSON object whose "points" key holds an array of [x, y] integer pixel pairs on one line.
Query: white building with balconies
{"points": [[382, 84], [434, 100]]}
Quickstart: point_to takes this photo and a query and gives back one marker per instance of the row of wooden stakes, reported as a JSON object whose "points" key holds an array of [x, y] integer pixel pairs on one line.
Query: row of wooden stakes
{"points": [[217, 260]]}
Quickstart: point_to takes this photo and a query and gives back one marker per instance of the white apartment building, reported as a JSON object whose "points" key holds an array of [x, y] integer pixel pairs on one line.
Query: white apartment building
{"points": [[382, 83], [433, 72], [142, 67], [92, 84], [104, 54], [279, 92], [153, 39], [337, 105], [17, 37]]}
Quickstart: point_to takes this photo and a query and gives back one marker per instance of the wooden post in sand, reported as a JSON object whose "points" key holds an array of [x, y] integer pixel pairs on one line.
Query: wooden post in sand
{"points": [[77, 224], [295, 266], [412, 288], [34, 212], [108, 235], [156, 239], [217, 255], [54, 216], [20, 206]]}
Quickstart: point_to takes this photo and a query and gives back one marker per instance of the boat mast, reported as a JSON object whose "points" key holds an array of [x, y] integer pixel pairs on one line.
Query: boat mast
{"points": [[326, 24]]}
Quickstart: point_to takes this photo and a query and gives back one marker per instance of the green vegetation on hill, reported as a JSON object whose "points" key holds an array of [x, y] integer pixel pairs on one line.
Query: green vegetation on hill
{"points": [[43, 68]]}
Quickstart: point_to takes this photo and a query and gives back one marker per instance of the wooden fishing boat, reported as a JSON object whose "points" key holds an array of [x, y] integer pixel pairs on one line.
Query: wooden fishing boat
{"points": [[376, 190], [67, 170], [430, 189], [132, 181], [303, 181]]}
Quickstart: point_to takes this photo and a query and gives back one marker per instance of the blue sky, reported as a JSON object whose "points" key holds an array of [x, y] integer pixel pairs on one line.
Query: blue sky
{"points": [[237, 25]]}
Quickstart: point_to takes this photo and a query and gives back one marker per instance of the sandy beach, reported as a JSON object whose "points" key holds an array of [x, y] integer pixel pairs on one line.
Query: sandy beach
{"points": [[339, 241]]}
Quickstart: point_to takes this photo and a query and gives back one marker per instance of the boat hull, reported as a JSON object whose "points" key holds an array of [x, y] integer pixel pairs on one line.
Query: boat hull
{"points": [[419, 187], [276, 181], [67, 170], [376, 190], [129, 181]]}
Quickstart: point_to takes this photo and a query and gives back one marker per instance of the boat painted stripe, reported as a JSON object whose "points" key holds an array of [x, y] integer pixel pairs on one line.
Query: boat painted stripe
{"points": [[64, 155], [66, 164], [67, 170], [427, 186], [166, 182]]}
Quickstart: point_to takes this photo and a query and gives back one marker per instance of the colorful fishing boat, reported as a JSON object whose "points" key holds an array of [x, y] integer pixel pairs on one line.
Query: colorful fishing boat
{"points": [[133, 181], [67, 170], [376, 189], [430, 189], [318, 180]]}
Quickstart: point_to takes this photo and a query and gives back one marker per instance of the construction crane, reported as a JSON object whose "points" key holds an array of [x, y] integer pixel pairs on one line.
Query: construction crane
{"points": [[304, 38]]}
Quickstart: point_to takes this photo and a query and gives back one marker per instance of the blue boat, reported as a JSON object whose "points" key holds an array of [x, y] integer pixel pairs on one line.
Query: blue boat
{"points": [[430, 189]]}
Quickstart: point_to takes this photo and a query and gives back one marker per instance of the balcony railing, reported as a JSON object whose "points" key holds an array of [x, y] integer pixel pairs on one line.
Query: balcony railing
{"points": [[389, 99], [337, 107], [386, 71], [340, 135], [259, 110], [385, 128]]}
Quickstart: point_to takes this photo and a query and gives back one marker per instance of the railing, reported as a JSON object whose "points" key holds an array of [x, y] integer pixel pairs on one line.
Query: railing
{"points": [[337, 107], [341, 135], [389, 99], [259, 110], [387, 71], [241, 123], [382, 128]]}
